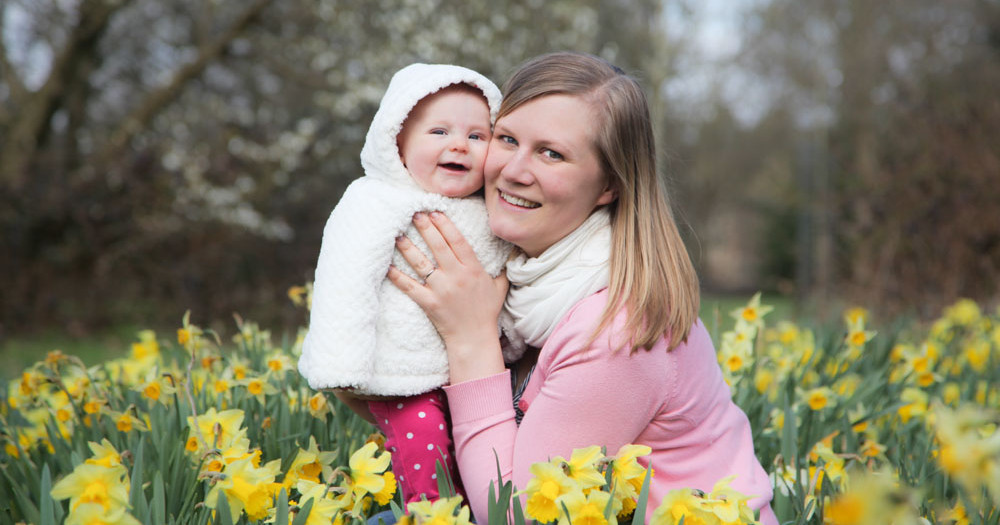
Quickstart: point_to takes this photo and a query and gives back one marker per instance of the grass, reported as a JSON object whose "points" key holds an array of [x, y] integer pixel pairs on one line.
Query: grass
{"points": [[20, 351]]}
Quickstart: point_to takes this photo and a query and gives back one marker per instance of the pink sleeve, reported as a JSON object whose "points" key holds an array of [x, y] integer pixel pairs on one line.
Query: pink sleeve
{"points": [[584, 397], [483, 430]]}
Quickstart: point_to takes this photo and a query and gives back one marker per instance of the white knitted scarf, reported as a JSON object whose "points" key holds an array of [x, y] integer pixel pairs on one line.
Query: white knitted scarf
{"points": [[544, 288]]}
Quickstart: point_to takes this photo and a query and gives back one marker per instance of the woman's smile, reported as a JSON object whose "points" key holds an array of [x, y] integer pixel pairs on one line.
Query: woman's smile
{"points": [[517, 201], [543, 174]]}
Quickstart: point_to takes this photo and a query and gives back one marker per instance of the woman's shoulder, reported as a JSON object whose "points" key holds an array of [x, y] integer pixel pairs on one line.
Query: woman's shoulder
{"points": [[585, 316], [577, 330]]}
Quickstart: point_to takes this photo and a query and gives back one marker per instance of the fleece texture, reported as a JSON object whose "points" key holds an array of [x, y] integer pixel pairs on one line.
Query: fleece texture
{"points": [[364, 334]]}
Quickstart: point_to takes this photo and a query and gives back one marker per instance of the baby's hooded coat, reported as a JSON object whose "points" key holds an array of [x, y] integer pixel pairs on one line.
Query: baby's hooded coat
{"points": [[364, 333]]}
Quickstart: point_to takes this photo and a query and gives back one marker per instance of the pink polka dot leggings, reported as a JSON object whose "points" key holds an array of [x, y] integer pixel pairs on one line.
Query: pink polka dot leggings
{"points": [[417, 434]]}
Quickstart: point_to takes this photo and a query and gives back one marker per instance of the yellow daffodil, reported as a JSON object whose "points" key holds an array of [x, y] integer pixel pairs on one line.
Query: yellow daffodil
{"points": [[819, 398], [857, 336], [951, 393], [627, 476], [247, 488], [964, 312], [157, 388], [440, 512], [969, 446], [310, 464], [259, 387], [728, 504], [586, 509], [874, 498], [871, 448], [301, 295], [854, 314], [318, 405], [90, 483], [916, 404], [366, 476], [977, 353], [583, 466], [683, 504], [958, 514], [325, 507], [218, 429], [753, 312], [105, 454], [763, 381], [548, 483], [147, 348], [126, 422], [279, 362], [95, 514]]}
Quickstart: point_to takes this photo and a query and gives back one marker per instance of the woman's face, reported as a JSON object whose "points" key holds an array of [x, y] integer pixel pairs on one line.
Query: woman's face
{"points": [[543, 176]]}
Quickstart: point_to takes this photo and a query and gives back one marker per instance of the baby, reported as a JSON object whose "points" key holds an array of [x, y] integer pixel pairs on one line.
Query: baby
{"points": [[424, 151]]}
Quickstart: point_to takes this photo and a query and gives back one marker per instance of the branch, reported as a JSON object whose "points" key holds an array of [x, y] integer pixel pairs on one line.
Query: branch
{"points": [[141, 116], [18, 91], [31, 120]]}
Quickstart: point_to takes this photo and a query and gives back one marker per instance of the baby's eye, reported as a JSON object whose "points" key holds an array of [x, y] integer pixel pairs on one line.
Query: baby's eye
{"points": [[437, 132], [552, 155], [507, 139], [477, 136]]}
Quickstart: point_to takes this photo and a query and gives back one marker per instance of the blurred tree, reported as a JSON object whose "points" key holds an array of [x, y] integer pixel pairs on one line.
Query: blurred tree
{"points": [[895, 106], [172, 154]]}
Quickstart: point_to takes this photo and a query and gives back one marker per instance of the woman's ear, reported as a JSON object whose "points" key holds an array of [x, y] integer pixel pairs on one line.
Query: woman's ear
{"points": [[609, 195]]}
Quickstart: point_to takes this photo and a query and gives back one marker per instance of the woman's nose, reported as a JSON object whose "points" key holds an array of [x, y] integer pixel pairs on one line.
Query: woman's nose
{"points": [[516, 169]]}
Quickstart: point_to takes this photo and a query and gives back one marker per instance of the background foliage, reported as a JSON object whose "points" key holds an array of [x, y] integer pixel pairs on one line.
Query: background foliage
{"points": [[172, 154]]}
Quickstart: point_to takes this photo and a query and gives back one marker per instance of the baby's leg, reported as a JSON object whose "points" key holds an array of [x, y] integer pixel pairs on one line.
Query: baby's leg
{"points": [[417, 434]]}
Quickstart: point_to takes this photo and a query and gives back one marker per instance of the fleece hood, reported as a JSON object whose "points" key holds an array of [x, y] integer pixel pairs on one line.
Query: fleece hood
{"points": [[380, 154]]}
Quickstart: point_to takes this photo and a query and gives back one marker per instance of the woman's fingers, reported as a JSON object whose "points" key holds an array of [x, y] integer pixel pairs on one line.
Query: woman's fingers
{"points": [[421, 264], [410, 286], [450, 234], [445, 241]]}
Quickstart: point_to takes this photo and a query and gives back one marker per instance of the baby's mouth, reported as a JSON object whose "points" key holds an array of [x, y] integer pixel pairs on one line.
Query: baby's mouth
{"points": [[454, 166]]}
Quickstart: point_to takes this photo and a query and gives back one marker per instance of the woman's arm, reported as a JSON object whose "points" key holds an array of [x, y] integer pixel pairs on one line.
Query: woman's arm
{"points": [[459, 297], [578, 397]]}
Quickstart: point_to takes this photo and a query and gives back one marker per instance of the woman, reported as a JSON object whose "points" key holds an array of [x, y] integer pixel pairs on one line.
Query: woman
{"points": [[622, 358]]}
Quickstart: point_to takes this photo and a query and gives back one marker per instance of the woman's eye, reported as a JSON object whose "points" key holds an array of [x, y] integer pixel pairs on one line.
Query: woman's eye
{"points": [[552, 155], [507, 139]]}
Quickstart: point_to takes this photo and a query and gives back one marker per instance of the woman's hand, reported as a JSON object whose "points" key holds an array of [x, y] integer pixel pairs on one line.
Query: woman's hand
{"points": [[458, 296]]}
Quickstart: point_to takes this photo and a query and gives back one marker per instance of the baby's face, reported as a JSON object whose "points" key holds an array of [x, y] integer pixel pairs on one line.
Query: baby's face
{"points": [[443, 142]]}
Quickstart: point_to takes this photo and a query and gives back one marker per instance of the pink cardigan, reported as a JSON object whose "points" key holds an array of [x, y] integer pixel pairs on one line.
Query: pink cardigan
{"points": [[675, 402]]}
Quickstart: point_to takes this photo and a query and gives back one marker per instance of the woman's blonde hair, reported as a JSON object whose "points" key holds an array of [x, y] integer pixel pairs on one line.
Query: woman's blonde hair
{"points": [[651, 274]]}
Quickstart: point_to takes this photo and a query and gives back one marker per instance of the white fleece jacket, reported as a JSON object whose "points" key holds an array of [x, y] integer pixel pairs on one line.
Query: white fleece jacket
{"points": [[363, 332]]}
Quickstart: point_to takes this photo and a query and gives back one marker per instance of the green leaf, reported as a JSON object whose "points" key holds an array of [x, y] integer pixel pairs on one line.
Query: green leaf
{"points": [[158, 511], [518, 513], [281, 509], [446, 487], [222, 510], [396, 509], [303, 515], [136, 497], [497, 511], [47, 513], [497, 506], [639, 515]]}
